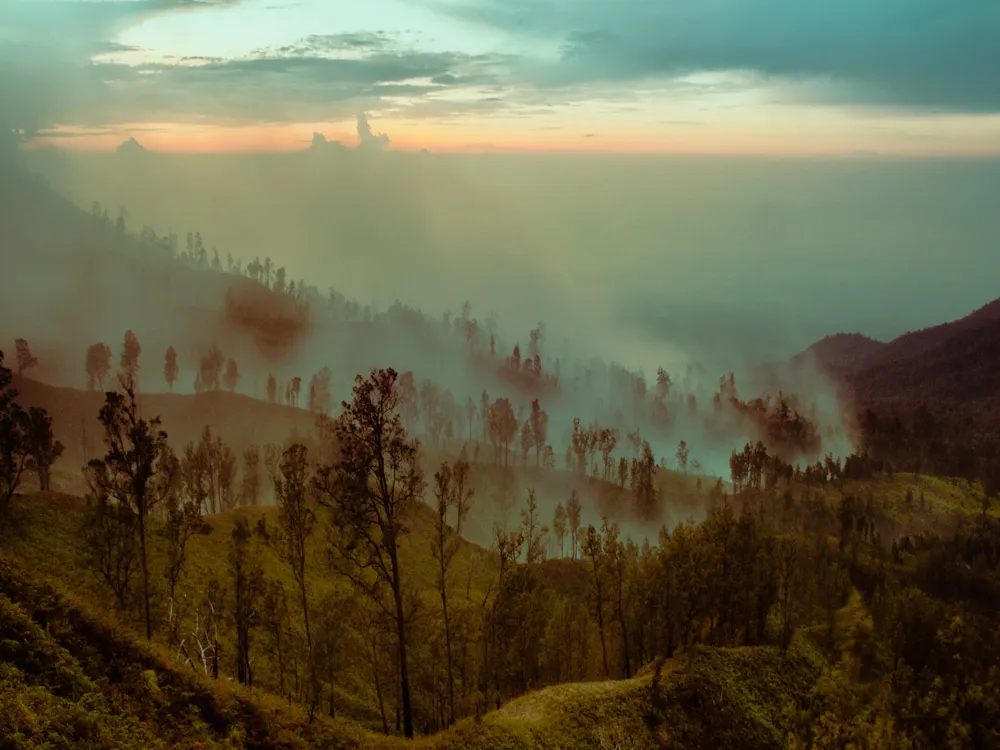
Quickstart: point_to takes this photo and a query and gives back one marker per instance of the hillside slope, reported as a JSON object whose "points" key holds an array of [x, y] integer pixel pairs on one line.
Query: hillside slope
{"points": [[240, 420], [956, 362], [69, 679]]}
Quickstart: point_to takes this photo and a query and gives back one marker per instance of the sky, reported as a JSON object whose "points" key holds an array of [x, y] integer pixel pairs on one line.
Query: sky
{"points": [[857, 77]]}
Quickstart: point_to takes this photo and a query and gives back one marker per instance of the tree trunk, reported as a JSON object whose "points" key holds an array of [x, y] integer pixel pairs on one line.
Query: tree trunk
{"points": [[621, 621], [404, 674], [447, 644], [600, 630], [145, 567]]}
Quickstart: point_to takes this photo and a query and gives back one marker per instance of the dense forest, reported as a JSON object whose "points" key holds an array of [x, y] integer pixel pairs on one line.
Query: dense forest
{"points": [[484, 557]]}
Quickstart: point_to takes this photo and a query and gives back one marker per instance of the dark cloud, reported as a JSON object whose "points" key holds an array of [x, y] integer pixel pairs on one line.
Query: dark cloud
{"points": [[920, 54], [46, 74]]}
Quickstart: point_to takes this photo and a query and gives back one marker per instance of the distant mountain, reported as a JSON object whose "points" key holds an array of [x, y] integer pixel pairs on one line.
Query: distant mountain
{"points": [[841, 353], [956, 362]]}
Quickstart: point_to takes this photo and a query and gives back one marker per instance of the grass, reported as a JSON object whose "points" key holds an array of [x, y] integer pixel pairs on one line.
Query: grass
{"points": [[74, 679]]}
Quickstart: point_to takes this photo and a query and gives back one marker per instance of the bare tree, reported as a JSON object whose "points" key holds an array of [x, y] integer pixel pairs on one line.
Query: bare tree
{"points": [[372, 489], [534, 532]]}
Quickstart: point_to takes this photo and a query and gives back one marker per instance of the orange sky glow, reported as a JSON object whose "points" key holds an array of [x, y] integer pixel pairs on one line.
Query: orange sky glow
{"points": [[462, 137]]}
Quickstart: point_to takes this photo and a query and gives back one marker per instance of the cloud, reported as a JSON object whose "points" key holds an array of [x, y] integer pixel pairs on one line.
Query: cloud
{"points": [[46, 73], [915, 54], [322, 77], [367, 139], [131, 146]]}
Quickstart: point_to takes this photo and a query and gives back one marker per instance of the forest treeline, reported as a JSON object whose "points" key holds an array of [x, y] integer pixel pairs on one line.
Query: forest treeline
{"points": [[907, 622]]}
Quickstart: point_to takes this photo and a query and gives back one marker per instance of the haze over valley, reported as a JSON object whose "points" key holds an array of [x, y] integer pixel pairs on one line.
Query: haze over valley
{"points": [[470, 374]]}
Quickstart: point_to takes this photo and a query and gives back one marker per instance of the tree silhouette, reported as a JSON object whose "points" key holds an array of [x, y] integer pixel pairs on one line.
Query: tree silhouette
{"points": [[272, 389], [43, 449], [320, 397], [539, 422], [25, 360], [170, 368], [14, 444], [296, 522], [372, 490], [573, 521], [129, 362], [136, 471], [682, 455], [247, 578], [98, 365], [444, 548]]}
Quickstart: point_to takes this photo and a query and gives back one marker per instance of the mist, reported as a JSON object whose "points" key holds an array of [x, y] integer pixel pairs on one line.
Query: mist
{"points": [[703, 266]]}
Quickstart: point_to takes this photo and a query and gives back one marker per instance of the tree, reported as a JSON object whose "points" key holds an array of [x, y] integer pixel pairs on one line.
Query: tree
{"points": [[272, 389], [372, 490], [181, 520], [14, 445], [25, 360], [42, 447], [251, 475], [559, 522], [534, 532], [409, 407], [320, 397], [470, 414], [502, 427], [170, 368], [573, 519], [210, 369], [539, 422], [434, 413], [232, 375], [593, 548], [682, 456], [296, 520], [129, 362], [461, 489], [109, 542], [526, 442], [617, 559], [135, 472], [98, 365], [444, 548], [248, 591]]}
